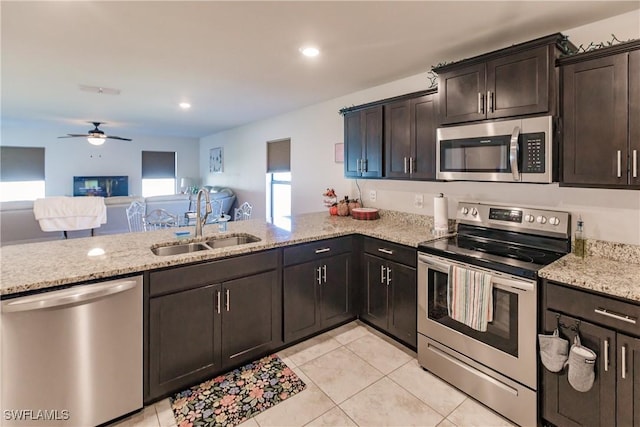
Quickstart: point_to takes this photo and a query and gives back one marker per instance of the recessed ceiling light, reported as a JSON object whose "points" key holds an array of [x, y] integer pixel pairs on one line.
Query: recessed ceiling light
{"points": [[185, 105], [310, 51]]}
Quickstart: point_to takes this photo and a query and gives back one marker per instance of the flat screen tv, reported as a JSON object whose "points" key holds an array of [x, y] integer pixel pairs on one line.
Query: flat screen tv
{"points": [[104, 186]]}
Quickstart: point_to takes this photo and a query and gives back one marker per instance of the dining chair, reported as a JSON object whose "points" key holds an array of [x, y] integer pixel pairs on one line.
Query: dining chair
{"points": [[160, 218], [243, 212], [135, 216]]}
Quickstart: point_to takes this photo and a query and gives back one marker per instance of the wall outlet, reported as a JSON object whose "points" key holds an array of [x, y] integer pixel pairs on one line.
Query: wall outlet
{"points": [[373, 195], [418, 201]]}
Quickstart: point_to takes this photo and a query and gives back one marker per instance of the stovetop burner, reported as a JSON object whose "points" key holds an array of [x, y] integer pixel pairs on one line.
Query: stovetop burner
{"points": [[510, 240]]}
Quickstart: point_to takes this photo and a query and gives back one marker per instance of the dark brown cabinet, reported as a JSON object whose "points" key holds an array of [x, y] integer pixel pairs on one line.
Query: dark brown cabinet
{"points": [[389, 299], [206, 318], [410, 138], [600, 106], [363, 143], [318, 289], [603, 328], [519, 80]]}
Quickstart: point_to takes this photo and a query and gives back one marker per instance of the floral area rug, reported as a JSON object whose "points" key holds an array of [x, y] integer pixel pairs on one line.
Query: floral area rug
{"points": [[232, 398]]}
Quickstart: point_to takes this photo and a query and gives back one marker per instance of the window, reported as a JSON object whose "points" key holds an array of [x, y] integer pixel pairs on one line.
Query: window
{"points": [[158, 173], [21, 173], [279, 182]]}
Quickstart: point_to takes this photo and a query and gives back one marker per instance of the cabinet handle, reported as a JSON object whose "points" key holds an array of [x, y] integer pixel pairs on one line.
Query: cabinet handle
{"points": [[323, 250], [324, 273], [619, 156], [490, 101], [318, 277], [388, 276], [624, 361], [218, 302], [606, 354], [365, 165], [480, 103], [635, 163], [382, 274], [385, 251], [617, 316], [411, 169], [405, 165], [358, 165], [228, 302]]}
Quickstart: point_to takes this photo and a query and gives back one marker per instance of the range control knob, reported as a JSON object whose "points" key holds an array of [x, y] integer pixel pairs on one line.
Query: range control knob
{"points": [[554, 220], [465, 210], [542, 219], [474, 211], [529, 218]]}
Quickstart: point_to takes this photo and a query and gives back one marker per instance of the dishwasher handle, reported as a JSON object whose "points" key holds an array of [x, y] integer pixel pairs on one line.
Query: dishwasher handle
{"points": [[67, 297]]}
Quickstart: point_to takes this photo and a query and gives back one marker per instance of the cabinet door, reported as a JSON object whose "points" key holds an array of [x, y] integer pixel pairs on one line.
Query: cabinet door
{"points": [[184, 335], [372, 140], [397, 139], [628, 393], [634, 113], [423, 137], [300, 296], [403, 302], [353, 143], [251, 317], [564, 406], [595, 108], [375, 306], [518, 84], [462, 94], [336, 290]]}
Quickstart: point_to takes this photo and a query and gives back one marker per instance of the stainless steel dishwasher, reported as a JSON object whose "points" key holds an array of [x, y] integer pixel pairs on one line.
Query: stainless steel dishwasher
{"points": [[72, 357]]}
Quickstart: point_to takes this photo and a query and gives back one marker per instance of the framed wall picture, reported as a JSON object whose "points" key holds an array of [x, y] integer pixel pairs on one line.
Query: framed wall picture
{"points": [[215, 160]]}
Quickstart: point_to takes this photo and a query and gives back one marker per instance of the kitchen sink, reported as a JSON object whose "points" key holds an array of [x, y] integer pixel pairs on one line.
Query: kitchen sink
{"points": [[212, 243], [222, 242]]}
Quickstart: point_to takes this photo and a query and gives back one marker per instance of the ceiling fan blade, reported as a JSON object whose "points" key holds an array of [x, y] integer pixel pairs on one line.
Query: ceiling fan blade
{"points": [[74, 135], [118, 137]]}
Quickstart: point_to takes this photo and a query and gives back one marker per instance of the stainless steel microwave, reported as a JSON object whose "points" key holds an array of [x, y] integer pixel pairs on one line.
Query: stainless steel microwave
{"points": [[507, 151]]}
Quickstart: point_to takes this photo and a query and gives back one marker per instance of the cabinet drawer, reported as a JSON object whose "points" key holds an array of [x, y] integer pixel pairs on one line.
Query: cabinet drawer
{"points": [[619, 315], [391, 251], [192, 276], [317, 250]]}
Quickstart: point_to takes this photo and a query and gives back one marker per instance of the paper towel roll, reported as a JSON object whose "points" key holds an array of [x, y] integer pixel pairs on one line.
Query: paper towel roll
{"points": [[440, 215]]}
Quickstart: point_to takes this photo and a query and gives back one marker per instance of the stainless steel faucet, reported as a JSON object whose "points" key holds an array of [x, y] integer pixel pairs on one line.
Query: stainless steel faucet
{"points": [[201, 221]]}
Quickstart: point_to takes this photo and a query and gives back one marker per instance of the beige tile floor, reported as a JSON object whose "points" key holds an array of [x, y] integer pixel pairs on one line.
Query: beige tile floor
{"points": [[355, 376]]}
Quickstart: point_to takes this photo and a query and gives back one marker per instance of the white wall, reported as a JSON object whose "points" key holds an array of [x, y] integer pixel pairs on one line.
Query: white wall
{"points": [[612, 215], [69, 157]]}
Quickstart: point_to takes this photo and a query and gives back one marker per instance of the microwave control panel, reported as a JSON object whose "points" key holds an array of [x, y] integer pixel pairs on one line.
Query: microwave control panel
{"points": [[533, 152]]}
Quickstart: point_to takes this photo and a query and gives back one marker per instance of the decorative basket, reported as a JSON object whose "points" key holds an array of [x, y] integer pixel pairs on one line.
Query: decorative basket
{"points": [[365, 213]]}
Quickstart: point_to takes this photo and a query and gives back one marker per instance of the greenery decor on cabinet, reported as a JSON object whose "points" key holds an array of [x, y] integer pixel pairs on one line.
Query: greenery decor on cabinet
{"points": [[600, 110]]}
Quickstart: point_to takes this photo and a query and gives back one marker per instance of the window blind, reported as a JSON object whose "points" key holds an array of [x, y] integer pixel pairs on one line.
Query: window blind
{"points": [[21, 164], [279, 156], [158, 164]]}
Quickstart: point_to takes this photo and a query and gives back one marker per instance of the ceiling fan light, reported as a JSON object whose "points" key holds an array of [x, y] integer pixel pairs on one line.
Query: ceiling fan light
{"points": [[96, 140]]}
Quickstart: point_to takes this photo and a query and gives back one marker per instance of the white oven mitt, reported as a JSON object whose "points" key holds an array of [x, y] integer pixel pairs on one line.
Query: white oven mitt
{"points": [[581, 366], [554, 351]]}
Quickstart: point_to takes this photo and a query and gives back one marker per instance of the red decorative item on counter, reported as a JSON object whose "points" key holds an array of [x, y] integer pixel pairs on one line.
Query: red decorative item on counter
{"points": [[365, 213]]}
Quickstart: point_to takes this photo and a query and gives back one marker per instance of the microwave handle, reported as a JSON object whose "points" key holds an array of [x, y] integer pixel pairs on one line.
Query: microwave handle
{"points": [[514, 153]]}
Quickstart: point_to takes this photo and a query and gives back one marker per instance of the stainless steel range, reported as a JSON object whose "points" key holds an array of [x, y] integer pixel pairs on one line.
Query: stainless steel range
{"points": [[509, 245]]}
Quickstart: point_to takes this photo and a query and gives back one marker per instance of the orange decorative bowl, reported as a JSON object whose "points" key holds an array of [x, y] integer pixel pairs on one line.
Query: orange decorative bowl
{"points": [[365, 213]]}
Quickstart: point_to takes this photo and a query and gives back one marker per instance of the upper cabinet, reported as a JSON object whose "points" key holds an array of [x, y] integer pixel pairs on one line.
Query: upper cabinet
{"points": [[410, 137], [363, 143], [516, 81], [600, 110]]}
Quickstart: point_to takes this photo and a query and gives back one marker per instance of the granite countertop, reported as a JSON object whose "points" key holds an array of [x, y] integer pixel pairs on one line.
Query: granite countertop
{"points": [[36, 266], [609, 268]]}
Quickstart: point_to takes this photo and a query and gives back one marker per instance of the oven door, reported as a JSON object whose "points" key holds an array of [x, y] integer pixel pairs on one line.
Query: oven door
{"points": [[508, 346]]}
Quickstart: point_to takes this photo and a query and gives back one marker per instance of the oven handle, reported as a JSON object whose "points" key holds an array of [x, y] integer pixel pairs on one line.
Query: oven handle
{"points": [[500, 281]]}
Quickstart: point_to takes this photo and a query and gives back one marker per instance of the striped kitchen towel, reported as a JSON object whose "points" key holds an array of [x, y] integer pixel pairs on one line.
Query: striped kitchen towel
{"points": [[470, 297]]}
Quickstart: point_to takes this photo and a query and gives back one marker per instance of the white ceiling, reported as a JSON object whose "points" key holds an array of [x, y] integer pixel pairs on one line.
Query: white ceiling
{"points": [[237, 62]]}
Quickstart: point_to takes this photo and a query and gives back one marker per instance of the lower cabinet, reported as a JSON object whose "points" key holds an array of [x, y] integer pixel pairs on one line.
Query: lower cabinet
{"points": [[614, 398], [204, 319], [389, 299], [318, 289]]}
